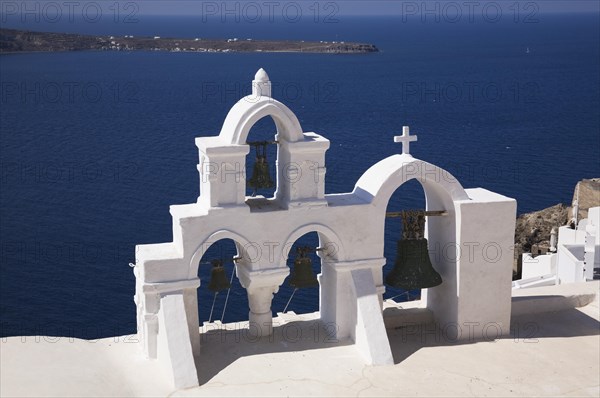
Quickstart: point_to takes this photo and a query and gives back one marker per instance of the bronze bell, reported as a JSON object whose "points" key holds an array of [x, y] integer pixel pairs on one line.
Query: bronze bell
{"points": [[218, 278], [302, 274], [413, 268], [261, 178]]}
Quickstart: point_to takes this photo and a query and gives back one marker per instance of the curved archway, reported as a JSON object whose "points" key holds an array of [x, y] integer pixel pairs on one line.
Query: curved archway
{"points": [[442, 190], [328, 239], [212, 304], [380, 181], [410, 195], [246, 112], [311, 235], [306, 298], [241, 244], [263, 130]]}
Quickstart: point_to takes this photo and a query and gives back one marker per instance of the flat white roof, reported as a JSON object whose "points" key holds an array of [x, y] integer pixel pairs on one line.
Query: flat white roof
{"points": [[549, 354]]}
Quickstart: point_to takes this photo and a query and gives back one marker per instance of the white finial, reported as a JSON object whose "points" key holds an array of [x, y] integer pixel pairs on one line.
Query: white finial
{"points": [[261, 85], [261, 76], [405, 139]]}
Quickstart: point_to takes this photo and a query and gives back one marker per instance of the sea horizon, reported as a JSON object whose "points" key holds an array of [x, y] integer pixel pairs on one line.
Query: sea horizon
{"points": [[97, 145]]}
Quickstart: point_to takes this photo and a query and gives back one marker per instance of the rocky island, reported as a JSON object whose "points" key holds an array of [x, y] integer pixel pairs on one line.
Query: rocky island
{"points": [[12, 41]]}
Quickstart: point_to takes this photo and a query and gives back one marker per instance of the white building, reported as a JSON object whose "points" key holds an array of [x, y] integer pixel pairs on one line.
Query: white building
{"points": [[576, 256], [476, 235]]}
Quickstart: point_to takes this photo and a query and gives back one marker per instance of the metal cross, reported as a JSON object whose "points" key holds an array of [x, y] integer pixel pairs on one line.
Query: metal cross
{"points": [[405, 139]]}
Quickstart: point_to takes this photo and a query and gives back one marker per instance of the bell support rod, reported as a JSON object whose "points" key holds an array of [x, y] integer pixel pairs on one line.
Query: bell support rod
{"points": [[290, 300], [257, 143], [427, 213], [235, 259], [228, 291], [308, 249]]}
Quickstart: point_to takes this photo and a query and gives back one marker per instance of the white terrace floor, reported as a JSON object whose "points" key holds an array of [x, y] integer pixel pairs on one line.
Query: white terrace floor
{"points": [[554, 354]]}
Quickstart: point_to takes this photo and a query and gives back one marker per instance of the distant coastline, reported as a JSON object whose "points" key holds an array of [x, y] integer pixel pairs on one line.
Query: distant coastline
{"points": [[22, 41]]}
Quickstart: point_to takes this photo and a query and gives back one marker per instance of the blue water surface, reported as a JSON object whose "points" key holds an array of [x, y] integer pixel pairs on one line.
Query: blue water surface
{"points": [[95, 146]]}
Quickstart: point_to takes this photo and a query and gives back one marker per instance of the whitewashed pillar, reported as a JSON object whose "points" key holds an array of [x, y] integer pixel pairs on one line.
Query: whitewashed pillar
{"points": [[337, 307], [261, 316], [261, 286]]}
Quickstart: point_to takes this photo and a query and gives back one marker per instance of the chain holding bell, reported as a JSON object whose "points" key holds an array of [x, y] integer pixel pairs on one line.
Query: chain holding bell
{"points": [[302, 274], [218, 278], [413, 268], [261, 177]]}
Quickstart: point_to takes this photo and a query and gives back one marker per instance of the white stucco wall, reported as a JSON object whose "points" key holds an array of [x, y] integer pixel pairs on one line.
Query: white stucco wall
{"points": [[579, 249], [475, 241], [538, 265]]}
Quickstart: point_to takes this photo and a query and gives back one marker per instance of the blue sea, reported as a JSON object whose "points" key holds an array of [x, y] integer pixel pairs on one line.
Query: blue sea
{"points": [[95, 146]]}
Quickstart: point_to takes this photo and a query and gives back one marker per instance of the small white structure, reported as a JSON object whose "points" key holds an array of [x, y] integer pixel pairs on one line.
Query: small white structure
{"points": [[577, 255], [579, 249], [473, 241]]}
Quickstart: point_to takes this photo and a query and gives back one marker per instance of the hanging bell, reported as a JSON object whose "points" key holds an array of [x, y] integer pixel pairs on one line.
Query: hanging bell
{"points": [[261, 178], [218, 278], [413, 268], [302, 274]]}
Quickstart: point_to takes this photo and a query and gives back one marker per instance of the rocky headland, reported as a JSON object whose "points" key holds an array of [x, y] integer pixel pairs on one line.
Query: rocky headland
{"points": [[12, 41], [533, 229]]}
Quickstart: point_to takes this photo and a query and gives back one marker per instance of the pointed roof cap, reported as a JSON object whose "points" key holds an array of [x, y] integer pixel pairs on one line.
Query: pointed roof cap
{"points": [[261, 76]]}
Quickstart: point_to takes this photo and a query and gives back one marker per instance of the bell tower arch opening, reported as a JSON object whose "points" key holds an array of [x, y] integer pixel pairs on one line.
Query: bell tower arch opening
{"points": [[307, 251], [261, 162], [224, 167], [436, 222], [219, 287], [300, 291], [408, 196]]}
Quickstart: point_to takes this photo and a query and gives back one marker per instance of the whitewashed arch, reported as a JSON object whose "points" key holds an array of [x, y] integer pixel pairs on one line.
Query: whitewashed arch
{"points": [[240, 242], [326, 236], [351, 280], [249, 110], [379, 182]]}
